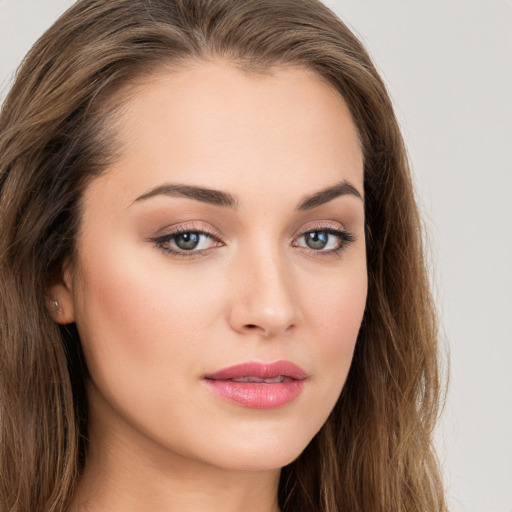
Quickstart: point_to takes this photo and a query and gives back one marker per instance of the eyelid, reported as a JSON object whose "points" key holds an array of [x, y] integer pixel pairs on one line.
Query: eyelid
{"points": [[331, 227], [321, 225], [162, 240], [184, 227], [328, 225]]}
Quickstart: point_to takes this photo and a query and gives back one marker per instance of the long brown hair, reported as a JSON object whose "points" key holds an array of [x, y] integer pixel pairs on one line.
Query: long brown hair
{"points": [[375, 451]]}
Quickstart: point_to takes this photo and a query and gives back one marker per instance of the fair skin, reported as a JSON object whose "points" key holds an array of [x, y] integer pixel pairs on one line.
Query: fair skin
{"points": [[263, 276]]}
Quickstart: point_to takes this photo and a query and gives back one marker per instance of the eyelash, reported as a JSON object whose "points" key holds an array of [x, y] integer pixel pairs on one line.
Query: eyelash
{"points": [[163, 242], [344, 239]]}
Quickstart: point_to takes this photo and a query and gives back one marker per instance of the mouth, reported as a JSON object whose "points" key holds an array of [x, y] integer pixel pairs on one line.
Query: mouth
{"points": [[258, 385], [254, 380]]}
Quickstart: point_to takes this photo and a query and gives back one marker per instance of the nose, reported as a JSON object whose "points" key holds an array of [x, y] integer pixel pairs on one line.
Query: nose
{"points": [[264, 302]]}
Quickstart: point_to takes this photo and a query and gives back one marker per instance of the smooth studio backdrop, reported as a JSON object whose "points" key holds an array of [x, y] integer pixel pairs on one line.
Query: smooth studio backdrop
{"points": [[448, 66]]}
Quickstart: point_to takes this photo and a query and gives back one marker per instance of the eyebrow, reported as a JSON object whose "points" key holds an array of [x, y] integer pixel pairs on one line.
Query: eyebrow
{"points": [[328, 194], [224, 199], [205, 195]]}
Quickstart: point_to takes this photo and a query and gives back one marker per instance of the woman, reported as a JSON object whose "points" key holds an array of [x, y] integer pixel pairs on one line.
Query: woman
{"points": [[213, 294]]}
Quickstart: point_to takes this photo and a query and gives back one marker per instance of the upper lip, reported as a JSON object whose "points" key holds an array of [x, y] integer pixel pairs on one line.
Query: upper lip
{"points": [[260, 370]]}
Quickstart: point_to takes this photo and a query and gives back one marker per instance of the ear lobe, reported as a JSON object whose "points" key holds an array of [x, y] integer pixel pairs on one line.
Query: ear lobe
{"points": [[59, 297]]}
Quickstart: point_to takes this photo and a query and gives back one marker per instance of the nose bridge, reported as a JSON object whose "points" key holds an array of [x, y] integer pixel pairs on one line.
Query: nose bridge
{"points": [[266, 302]]}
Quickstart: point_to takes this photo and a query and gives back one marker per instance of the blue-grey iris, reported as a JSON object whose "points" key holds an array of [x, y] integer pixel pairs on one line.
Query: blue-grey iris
{"points": [[187, 241], [316, 239]]}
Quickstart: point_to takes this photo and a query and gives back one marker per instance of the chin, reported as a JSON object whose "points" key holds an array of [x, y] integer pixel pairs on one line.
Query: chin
{"points": [[257, 453], [261, 460]]}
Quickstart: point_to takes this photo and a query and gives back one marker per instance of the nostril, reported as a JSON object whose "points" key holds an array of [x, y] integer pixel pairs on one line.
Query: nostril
{"points": [[251, 326]]}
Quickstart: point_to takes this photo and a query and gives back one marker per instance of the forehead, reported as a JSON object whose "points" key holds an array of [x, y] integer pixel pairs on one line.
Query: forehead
{"points": [[211, 123]]}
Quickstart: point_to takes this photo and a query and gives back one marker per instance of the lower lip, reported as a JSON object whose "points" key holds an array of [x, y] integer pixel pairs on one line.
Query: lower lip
{"points": [[257, 395]]}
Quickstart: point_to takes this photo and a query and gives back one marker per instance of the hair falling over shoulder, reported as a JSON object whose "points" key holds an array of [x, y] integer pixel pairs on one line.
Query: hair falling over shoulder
{"points": [[375, 451]]}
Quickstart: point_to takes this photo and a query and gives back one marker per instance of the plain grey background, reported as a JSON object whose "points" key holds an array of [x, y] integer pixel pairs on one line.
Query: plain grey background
{"points": [[448, 66]]}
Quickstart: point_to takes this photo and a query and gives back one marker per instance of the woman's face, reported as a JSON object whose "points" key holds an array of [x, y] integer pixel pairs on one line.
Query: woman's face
{"points": [[220, 277]]}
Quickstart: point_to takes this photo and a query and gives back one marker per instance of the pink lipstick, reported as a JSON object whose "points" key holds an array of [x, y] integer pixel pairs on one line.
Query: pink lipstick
{"points": [[259, 385]]}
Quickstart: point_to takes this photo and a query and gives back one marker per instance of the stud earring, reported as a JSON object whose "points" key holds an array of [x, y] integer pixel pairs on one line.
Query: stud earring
{"points": [[54, 304]]}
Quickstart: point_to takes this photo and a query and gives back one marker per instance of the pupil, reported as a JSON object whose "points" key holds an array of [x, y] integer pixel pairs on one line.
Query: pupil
{"points": [[187, 241], [317, 239]]}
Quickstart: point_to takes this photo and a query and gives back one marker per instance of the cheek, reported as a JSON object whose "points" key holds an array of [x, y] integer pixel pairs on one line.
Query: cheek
{"points": [[335, 316], [341, 314], [138, 318]]}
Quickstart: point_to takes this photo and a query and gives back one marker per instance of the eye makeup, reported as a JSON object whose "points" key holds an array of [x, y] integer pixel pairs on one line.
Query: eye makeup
{"points": [[191, 240], [195, 241], [325, 241]]}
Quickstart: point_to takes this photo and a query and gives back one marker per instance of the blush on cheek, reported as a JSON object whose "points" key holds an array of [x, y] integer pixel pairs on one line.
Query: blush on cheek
{"points": [[114, 315], [341, 315], [142, 313]]}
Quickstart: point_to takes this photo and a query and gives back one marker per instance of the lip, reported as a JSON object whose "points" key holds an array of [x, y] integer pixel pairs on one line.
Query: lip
{"points": [[272, 385]]}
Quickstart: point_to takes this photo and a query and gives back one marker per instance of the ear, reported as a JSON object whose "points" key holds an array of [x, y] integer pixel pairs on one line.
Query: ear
{"points": [[60, 296]]}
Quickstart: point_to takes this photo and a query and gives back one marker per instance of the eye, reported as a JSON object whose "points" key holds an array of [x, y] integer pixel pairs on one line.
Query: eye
{"points": [[324, 240], [185, 242], [189, 241]]}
